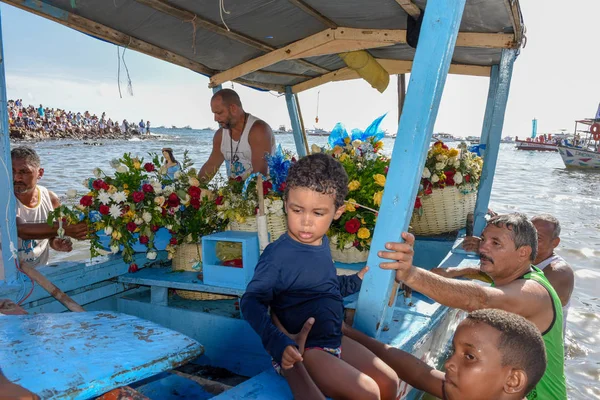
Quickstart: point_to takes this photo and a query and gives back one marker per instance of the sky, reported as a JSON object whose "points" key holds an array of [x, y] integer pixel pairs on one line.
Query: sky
{"points": [[554, 80]]}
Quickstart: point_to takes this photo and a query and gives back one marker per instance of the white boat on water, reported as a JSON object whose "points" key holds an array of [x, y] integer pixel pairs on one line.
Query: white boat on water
{"points": [[444, 137], [583, 153], [473, 139]]}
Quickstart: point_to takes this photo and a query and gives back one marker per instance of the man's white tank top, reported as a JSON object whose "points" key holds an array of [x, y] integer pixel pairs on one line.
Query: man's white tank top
{"points": [[544, 264], [34, 253], [238, 155]]}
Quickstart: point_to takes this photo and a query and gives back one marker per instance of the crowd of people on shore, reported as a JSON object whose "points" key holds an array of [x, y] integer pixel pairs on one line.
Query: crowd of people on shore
{"points": [[31, 122]]}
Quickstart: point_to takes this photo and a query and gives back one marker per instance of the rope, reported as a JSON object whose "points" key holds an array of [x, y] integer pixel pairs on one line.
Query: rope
{"points": [[223, 10], [119, 72], [129, 84], [360, 205], [193, 22]]}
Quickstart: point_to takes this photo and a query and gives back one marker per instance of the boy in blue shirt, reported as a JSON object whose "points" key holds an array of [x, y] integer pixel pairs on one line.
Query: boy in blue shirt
{"points": [[296, 277]]}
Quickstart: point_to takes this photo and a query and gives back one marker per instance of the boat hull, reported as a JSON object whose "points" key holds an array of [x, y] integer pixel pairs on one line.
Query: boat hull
{"points": [[579, 158], [536, 146]]}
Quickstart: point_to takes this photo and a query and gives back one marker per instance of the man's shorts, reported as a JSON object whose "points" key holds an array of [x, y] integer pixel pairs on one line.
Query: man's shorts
{"points": [[334, 351]]}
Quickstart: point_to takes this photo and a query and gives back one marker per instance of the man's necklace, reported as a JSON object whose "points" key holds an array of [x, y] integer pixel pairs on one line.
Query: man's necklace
{"points": [[234, 155]]}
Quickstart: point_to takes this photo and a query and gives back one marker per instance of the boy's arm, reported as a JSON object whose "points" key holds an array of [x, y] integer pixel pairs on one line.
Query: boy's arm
{"points": [[254, 306], [409, 368], [350, 284]]}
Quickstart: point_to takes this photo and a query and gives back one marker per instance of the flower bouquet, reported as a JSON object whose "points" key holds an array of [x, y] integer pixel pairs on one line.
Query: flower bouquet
{"points": [[359, 153], [447, 192]]}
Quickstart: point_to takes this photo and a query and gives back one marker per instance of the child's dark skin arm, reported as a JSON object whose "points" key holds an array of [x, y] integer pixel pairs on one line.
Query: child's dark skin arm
{"points": [[349, 284], [409, 368]]}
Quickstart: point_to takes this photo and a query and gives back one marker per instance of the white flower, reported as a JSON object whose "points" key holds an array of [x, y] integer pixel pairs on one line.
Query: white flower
{"points": [[168, 189], [147, 217], [157, 186], [151, 255], [86, 183], [115, 211], [315, 149], [115, 163], [348, 245], [334, 239], [121, 169], [439, 166], [458, 178], [426, 173], [457, 164], [177, 175], [119, 197], [71, 193], [435, 178], [108, 230], [159, 201], [277, 205], [169, 227], [157, 208], [103, 196], [115, 248], [138, 221], [97, 172]]}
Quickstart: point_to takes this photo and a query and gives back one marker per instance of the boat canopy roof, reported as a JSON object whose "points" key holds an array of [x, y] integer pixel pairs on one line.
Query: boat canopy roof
{"points": [[587, 121], [271, 44]]}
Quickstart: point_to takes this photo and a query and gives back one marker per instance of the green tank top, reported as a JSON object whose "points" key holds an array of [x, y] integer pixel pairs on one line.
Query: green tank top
{"points": [[553, 384]]}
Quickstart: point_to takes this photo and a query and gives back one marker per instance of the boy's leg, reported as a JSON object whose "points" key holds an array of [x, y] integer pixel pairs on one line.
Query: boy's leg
{"points": [[365, 361], [338, 379], [302, 385]]}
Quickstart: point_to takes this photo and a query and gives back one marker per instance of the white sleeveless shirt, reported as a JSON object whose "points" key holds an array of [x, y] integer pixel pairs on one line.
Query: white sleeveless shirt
{"points": [[544, 264], [34, 252], [238, 155]]}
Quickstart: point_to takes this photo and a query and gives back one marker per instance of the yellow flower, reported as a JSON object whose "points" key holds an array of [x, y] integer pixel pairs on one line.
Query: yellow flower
{"points": [[353, 185], [112, 189], [314, 149], [343, 157], [125, 186], [116, 235], [137, 164], [350, 205], [363, 233], [453, 153], [362, 221], [337, 150], [377, 198], [379, 179], [346, 140], [126, 192], [378, 145]]}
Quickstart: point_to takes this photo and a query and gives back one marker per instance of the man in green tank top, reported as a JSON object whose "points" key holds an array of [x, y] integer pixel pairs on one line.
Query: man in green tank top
{"points": [[508, 247]]}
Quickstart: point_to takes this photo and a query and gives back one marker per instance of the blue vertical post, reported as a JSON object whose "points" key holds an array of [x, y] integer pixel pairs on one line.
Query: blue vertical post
{"points": [[489, 108], [504, 73], [217, 88], [299, 139], [427, 79], [8, 218]]}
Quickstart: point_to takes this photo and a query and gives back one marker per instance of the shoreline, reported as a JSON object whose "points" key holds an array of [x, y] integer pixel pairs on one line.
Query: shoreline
{"points": [[19, 135]]}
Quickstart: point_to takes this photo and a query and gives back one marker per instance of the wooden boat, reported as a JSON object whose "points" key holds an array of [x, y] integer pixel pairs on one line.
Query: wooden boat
{"points": [[582, 153], [537, 143], [301, 54]]}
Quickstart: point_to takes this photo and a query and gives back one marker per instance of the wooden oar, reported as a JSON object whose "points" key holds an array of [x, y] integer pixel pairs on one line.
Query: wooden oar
{"points": [[54, 291]]}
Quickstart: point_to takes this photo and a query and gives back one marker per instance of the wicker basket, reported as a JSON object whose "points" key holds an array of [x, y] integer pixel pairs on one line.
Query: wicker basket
{"points": [[276, 226], [348, 256], [186, 258], [444, 210]]}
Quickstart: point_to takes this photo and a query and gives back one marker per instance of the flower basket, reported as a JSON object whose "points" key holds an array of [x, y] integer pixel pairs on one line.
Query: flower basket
{"points": [[276, 226], [188, 257], [348, 256], [444, 210]]}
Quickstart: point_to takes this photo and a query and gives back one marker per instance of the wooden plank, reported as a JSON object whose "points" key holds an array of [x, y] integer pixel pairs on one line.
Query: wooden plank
{"points": [[212, 387], [314, 13], [166, 278], [514, 11], [428, 77], [486, 40], [410, 8]]}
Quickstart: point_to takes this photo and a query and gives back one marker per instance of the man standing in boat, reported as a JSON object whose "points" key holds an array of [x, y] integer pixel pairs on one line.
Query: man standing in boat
{"points": [[507, 250], [242, 140]]}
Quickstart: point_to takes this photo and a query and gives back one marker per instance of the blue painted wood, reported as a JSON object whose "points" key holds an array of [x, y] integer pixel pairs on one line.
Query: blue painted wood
{"points": [[217, 88], [8, 222], [430, 68], [292, 107], [165, 277], [168, 386], [69, 276], [229, 342], [489, 107], [87, 354], [504, 72], [231, 277], [159, 295], [266, 386], [42, 7]]}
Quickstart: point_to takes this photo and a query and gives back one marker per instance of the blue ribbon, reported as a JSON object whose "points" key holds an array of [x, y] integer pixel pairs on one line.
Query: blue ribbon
{"points": [[248, 180]]}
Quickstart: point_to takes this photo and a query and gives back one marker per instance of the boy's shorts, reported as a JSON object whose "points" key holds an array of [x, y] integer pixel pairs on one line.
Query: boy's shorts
{"points": [[334, 351]]}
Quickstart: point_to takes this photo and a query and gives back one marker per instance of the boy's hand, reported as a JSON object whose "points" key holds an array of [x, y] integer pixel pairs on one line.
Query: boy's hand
{"points": [[300, 337], [402, 256], [362, 272], [290, 356]]}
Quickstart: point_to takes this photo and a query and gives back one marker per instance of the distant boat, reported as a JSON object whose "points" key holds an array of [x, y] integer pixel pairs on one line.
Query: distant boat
{"points": [[187, 127], [473, 139], [444, 137], [582, 153], [543, 142], [317, 132], [280, 130], [507, 139]]}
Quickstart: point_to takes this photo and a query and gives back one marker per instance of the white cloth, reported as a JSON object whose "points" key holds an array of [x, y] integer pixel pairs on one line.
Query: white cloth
{"points": [[34, 252], [554, 258], [243, 166]]}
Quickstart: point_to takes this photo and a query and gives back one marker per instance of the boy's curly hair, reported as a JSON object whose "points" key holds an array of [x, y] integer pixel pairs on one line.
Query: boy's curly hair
{"points": [[321, 173]]}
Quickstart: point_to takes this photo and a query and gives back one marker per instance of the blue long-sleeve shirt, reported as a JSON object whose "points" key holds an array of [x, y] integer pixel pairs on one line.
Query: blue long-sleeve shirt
{"points": [[297, 281]]}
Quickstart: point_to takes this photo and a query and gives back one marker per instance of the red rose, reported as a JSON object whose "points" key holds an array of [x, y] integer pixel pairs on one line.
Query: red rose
{"points": [[99, 184], [86, 201], [352, 225], [147, 188], [418, 203], [173, 200], [133, 268], [131, 226], [282, 187], [219, 200], [467, 178], [428, 191], [173, 241], [238, 178], [194, 202], [104, 209], [355, 243], [194, 192], [155, 228], [267, 186], [449, 178], [144, 239], [149, 167], [137, 197]]}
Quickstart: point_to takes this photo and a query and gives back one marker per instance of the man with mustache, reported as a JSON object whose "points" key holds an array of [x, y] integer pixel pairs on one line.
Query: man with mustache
{"points": [[507, 250], [242, 140], [34, 203]]}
